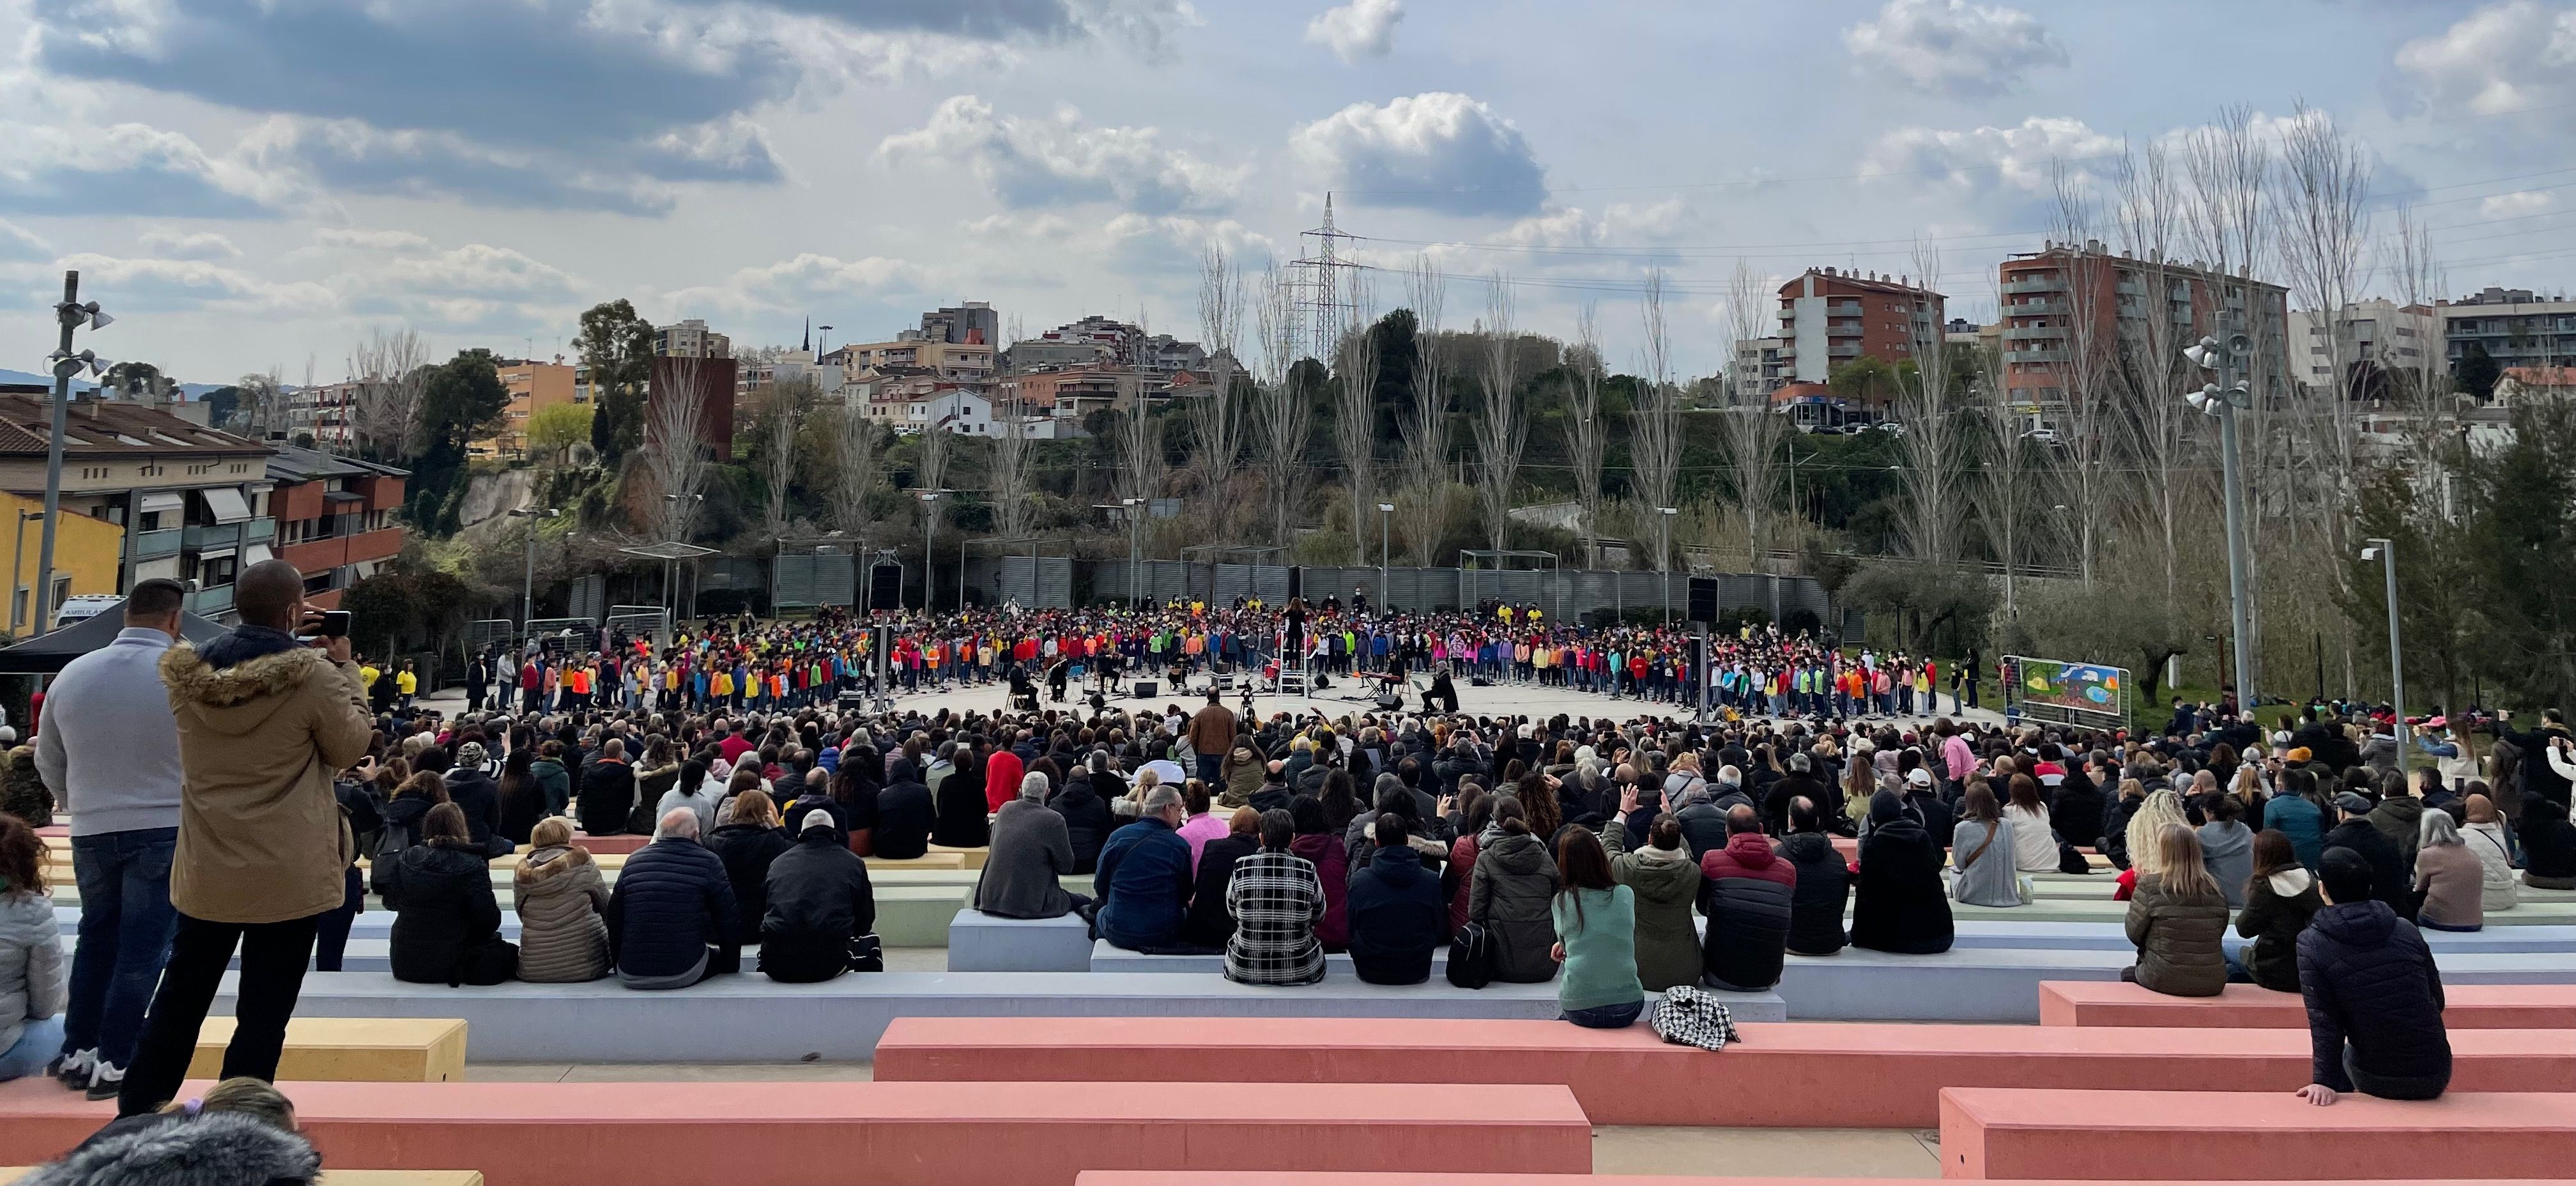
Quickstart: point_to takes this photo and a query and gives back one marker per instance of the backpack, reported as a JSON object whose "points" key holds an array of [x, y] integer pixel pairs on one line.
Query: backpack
{"points": [[1692, 1016], [1471, 957], [2071, 860]]}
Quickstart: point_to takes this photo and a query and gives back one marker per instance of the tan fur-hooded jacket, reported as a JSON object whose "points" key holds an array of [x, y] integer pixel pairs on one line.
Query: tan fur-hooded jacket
{"points": [[260, 833]]}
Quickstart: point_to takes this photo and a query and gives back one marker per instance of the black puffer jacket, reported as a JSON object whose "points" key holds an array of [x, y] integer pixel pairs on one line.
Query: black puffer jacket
{"points": [[1748, 929], [2548, 840], [1901, 906], [1209, 923], [2077, 813], [2276, 913], [1087, 820], [747, 850], [671, 901], [905, 816], [818, 890], [2369, 980], [1824, 885], [443, 907]]}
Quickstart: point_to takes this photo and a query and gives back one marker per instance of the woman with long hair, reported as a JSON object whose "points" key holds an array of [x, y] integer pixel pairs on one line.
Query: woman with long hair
{"points": [[2280, 898], [2484, 835], [2034, 845], [1981, 849], [1475, 814], [2146, 854], [1596, 926], [447, 924], [33, 993], [562, 901], [2177, 917], [523, 801], [1512, 896]]}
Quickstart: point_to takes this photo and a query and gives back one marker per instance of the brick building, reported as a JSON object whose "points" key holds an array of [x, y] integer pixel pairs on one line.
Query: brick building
{"points": [[1830, 317], [336, 518]]}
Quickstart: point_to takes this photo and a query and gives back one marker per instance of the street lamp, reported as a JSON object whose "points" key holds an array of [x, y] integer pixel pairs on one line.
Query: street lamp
{"points": [[70, 313], [1385, 528], [2225, 359], [1664, 557], [17, 556], [818, 342], [528, 594], [2382, 551]]}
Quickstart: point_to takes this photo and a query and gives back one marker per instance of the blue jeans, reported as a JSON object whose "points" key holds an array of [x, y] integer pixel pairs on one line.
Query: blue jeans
{"points": [[1605, 1017], [35, 1048], [125, 927]]}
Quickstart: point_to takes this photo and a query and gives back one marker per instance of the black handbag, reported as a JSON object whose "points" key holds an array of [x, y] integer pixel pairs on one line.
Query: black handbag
{"points": [[1471, 957], [867, 954]]}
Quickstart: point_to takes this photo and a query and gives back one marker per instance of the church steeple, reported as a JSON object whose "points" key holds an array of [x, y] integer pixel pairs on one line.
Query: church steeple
{"points": [[809, 334]]}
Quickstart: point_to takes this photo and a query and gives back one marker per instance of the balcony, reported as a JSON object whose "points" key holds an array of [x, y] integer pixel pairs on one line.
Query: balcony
{"points": [[212, 535], [259, 531], [2015, 287], [2034, 356], [153, 545], [2035, 333], [2042, 308], [209, 602]]}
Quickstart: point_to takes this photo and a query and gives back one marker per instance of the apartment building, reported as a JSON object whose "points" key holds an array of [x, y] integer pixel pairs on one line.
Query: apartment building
{"points": [[1830, 317], [2515, 327], [973, 321], [337, 518], [1071, 393], [2395, 337], [533, 386], [192, 502], [1098, 339], [960, 362], [2048, 294], [327, 412], [691, 339], [1759, 369]]}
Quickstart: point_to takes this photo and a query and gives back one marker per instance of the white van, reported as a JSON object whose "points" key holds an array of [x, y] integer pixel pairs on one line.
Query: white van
{"points": [[86, 606]]}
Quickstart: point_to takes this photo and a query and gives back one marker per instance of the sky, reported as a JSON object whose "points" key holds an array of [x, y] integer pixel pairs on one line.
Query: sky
{"points": [[257, 184]]}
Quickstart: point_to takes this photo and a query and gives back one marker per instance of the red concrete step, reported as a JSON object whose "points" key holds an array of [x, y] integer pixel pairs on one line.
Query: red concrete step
{"points": [[1779, 1075], [2272, 1136], [2243, 1006], [1291, 1178], [885, 1134]]}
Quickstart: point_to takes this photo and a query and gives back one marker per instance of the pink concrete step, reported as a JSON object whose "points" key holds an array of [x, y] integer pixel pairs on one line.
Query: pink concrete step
{"points": [[2271, 1136], [2243, 1006], [884, 1134], [1364, 1178], [1778, 1075]]}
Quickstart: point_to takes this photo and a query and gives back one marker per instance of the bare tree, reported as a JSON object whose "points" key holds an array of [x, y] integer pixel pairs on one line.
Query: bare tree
{"points": [[1216, 425], [2321, 186], [259, 404], [789, 401], [1282, 421], [2014, 472], [1140, 452], [2163, 431], [1014, 467], [1502, 425], [2086, 428], [1929, 408], [675, 452], [388, 371], [1355, 408], [936, 446], [1655, 433], [1426, 428], [854, 466], [1585, 437], [1755, 439], [2419, 279]]}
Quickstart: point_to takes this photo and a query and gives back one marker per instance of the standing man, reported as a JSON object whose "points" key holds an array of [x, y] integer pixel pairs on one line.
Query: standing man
{"points": [[478, 678], [1211, 735], [109, 751], [406, 685], [265, 719]]}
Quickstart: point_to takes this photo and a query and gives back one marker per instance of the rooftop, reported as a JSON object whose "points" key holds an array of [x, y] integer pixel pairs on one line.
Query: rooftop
{"points": [[109, 427]]}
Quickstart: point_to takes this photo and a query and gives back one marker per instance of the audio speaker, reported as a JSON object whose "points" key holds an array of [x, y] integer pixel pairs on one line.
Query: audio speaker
{"points": [[1703, 599], [885, 585], [1296, 581], [1147, 689]]}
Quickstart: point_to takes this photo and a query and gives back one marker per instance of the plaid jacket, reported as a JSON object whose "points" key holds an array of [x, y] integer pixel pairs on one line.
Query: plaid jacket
{"points": [[1275, 899]]}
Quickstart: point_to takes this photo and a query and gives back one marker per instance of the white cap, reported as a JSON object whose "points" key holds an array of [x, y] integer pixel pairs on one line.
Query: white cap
{"points": [[1919, 777], [817, 818]]}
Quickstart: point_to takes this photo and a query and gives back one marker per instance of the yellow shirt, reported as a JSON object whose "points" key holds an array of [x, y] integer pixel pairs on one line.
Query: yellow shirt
{"points": [[406, 682], [367, 675]]}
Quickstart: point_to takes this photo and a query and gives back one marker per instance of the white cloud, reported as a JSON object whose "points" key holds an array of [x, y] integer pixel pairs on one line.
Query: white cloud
{"points": [[164, 285], [130, 168], [1359, 29], [2518, 204], [1953, 47], [802, 283], [170, 244], [2016, 157], [1438, 151], [2501, 58], [1059, 160], [372, 240], [19, 243]]}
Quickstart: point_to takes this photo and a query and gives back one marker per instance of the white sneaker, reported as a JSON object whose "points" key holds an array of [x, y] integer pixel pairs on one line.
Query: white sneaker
{"points": [[106, 1081], [73, 1069]]}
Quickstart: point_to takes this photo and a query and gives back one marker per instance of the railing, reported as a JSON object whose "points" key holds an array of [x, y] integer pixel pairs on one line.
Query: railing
{"points": [[2031, 286], [152, 545], [2036, 309], [200, 537], [259, 531], [211, 601], [2035, 333], [2034, 356]]}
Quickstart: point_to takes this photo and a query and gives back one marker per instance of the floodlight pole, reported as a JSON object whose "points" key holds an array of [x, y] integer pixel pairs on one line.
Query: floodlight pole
{"points": [[69, 314]]}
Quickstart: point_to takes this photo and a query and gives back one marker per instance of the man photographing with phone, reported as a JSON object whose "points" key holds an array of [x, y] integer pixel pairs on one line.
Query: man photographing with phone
{"points": [[265, 719]]}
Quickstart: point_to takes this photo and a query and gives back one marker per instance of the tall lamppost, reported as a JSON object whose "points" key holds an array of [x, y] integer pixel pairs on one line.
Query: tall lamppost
{"points": [[929, 557], [1385, 528], [2225, 359], [70, 314], [1664, 556], [17, 559], [2382, 551], [528, 592]]}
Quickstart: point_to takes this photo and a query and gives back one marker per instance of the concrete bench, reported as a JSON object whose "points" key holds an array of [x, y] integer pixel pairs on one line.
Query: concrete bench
{"points": [[351, 1049], [979, 942], [887, 1134], [1293, 1178], [968, 858], [1107, 958], [1776, 1076], [734, 1019], [2244, 1006], [2111, 936], [2272, 1136], [2529, 913], [2002, 984]]}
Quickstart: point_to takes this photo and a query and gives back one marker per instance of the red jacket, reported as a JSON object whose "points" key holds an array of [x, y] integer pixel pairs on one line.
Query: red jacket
{"points": [[1748, 854], [1002, 774]]}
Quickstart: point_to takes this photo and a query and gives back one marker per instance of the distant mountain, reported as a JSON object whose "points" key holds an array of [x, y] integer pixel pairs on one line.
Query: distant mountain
{"points": [[192, 391]]}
